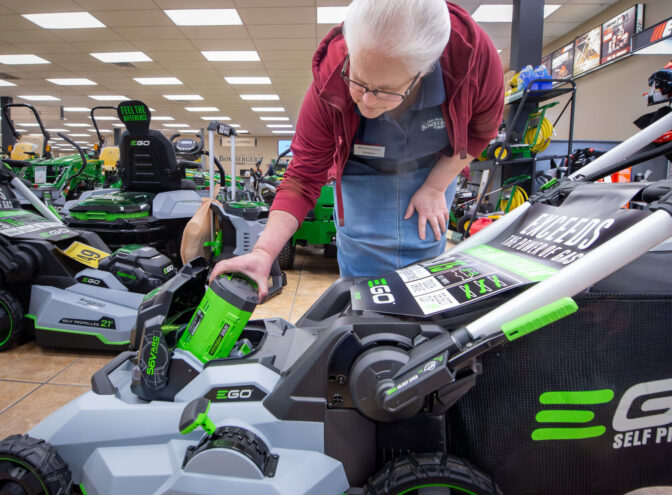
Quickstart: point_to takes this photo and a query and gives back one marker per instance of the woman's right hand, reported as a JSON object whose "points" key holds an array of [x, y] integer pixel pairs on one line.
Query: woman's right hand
{"points": [[255, 264]]}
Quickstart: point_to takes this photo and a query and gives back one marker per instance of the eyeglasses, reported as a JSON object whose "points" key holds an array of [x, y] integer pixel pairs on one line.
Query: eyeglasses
{"points": [[378, 93]]}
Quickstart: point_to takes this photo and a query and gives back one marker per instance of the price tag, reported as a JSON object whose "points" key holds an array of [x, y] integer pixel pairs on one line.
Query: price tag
{"points": [[85, 254], [40, 175]]}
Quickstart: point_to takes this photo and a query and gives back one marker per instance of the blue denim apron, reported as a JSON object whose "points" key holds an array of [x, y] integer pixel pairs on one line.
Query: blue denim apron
{"points": [[377, 189]]}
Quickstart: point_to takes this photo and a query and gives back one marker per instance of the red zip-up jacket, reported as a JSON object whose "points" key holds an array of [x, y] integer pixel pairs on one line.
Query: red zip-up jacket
{"points": [[472, 75]]}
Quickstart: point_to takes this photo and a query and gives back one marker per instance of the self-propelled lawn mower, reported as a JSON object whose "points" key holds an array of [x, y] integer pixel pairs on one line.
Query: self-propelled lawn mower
{"points": [[386, 386], [76, 292], [155, 201]]}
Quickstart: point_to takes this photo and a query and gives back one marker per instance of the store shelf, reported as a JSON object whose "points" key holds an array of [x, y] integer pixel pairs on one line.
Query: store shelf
{"points": [[538, 96]]}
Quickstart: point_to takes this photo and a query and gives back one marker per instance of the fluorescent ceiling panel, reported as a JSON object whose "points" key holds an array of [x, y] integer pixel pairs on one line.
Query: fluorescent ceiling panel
{"points": [[273, 126], [231, 56], [108, 97], [248, 80], [273, 118], [503, 13], [57, 130], [331, 15], [156, 81], [243, 131], [216, 117], [65, 20], [183, 97], [175, 125], [189, 130], [39, 98], [259, 97], [76, 109], [106, 117], [25, 59], [201, 109], [283, 132], [204, 17], [73, 81], [79, 135], [119, 57], [268, 109], [118, 125], [29, 124], [105, 130], [162, 118], [79, 124], [6, 83]]}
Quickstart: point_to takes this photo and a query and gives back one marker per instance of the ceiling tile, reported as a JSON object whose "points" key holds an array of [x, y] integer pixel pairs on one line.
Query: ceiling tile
{"points": [[106, 46], [38, 6], [78, 35], [218, 44], [47, 48], [264, 31], [118, 5], [306, 55], [163, 45], [120, 19], [286, 44], [202, 4], [14, 22], [214, 33], [150, 33], [276, 15], [275, 3], [28, 36]]}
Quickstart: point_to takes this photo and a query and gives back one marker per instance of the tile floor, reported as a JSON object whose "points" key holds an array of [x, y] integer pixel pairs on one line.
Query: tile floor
{"points": [[35, 381]]}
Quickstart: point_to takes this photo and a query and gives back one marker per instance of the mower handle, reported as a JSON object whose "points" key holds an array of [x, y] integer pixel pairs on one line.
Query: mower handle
{"points": [[101, 138], [81, 154], [17, 136], [199, 136], [17, 163]]}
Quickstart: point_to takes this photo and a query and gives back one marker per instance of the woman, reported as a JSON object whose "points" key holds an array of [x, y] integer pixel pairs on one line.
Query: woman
{"points": [[404, 92]]}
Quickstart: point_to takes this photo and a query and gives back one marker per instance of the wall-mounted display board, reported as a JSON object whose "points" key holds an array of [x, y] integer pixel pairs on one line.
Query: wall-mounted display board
{"points": [[546, 61], [587, 51], [617, 33], [562, 62], [657, 39]]}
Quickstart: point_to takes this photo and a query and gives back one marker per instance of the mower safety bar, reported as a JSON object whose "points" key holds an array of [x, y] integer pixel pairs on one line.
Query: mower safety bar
{"points": [[101, 138], [81, 154]]}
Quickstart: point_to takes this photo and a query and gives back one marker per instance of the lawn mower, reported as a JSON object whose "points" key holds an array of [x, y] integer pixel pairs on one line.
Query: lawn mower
{"points": [[415, 382], [154, 203], [108, 155], [76, 292], [55, 180]]}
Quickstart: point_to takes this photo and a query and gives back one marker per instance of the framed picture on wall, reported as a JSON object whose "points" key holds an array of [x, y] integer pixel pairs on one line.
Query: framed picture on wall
{"points": [[617, 33], [562, 62], [547, 62], [587, 51]]}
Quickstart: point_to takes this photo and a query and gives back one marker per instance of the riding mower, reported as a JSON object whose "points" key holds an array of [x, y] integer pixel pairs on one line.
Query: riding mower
{"points": [[154, 203], [55, 180], [108, 155], [66, 281], [401, 384]]}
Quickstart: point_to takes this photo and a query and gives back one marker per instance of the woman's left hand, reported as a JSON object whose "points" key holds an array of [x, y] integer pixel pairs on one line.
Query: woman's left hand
{"points": [[430, 204]]}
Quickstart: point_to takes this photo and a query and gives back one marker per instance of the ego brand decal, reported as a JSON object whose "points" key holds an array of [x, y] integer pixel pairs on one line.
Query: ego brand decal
{"points": [[153, 352], [380, 292], [644, 415], [139, 142], [240, 393]]}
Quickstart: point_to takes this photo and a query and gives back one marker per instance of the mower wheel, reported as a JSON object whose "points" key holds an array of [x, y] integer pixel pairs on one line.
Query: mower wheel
{"points": [[430, 474], [29, 466], [286, 256], [11, 319], [330, 250], [461, 226]]}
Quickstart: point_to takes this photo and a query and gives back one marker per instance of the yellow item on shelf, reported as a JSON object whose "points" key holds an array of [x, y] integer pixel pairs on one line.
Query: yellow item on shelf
{"points": [[543, 139], [109, 156]]}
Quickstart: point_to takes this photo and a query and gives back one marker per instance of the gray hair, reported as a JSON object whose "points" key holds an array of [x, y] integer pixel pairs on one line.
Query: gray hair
{"points": [[415, 31]]}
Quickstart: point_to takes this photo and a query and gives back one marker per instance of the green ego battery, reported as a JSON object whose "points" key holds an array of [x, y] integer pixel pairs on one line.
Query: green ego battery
{"points": [[220, 318]]}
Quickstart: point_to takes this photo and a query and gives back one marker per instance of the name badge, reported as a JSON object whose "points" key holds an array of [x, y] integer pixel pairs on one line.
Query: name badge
{"points": [[369, 150]]}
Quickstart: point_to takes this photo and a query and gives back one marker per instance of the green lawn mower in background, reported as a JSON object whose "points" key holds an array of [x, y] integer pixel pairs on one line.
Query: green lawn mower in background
{"points": [[64, 285], [397, 385], [155, 201], [55, 180]]}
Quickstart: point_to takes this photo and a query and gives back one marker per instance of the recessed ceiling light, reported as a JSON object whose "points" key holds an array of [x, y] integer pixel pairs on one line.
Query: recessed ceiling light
{"points": [[156, 81], [272, 126], [106, 117], [204, 17], [331, 15], [118, 57], [108, 97], [73, 81], [231, 56], [243, 131], [260, 97], [82, 142], [57, 130], [216, 117], [79, 135], [6, 83], [268, 109], [78, 125], [273, 118], [248, 80], [201, 109], [118, 125], [162, 118], [189, 130], [65, 20], [233, 125], [283, 132], [499, 51], [20, 130], [183, 97], [76, 109], [39, 98], [35, 135], [175, 125], [22, 59], [503, 13], [29, 124]]}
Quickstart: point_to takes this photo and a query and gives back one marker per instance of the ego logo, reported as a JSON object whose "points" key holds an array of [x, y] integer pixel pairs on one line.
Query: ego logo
{"points": [[139, 142], [380, 292], [240, 393], [153, 354]]}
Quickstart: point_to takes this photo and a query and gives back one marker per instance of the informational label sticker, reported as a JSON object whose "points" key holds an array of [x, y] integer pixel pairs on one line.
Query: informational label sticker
{"points": [[369, 150], [40, 175], [436, 301], [85, 254]]}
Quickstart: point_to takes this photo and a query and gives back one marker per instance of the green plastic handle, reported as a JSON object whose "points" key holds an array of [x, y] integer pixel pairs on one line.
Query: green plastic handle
{"points": [[538, 318]]}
